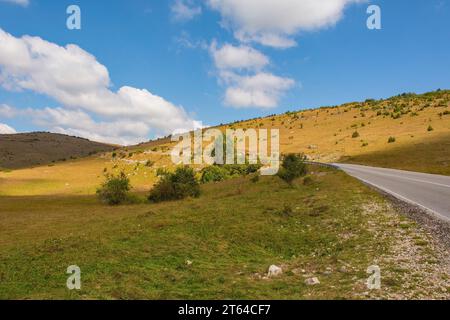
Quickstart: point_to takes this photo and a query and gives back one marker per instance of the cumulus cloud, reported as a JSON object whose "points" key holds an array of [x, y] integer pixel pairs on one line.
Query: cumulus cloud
{"points": [[275, 22], [272, 23], [185, 10], [5, 129], [241, 57], [241, 71], [23, 3], [81, 84], [79, 123], [262, 90]]}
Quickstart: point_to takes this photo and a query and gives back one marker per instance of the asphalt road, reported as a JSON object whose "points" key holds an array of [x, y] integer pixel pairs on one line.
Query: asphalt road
{"points": [[429, 191]]}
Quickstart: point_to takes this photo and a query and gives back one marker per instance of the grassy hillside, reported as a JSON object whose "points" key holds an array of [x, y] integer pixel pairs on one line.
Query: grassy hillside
{"points": [[220, 245], [359, 132], [32, 149]]}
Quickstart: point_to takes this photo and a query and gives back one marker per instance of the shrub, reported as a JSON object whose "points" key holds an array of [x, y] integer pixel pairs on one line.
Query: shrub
{"points": [[255, 178], [245, 169], [114, 190], [430, 128], [293, 167], [214, 174], [175, 186], [217, 173], [391, 140], [355, 135], [307, 181]]}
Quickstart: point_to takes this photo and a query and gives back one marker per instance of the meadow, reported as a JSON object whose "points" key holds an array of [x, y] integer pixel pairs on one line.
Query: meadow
{"points": [[220, 245]]}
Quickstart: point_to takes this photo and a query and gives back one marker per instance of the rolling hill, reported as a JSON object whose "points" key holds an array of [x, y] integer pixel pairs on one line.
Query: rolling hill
{"points": [[40, 148], [409, 131]]}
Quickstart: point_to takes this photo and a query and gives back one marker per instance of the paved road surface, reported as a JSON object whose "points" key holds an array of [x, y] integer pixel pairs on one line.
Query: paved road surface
{"points": [[429, 191]]}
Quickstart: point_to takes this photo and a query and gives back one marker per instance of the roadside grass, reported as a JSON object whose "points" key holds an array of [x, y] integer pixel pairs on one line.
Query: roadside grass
{"points": [[430, 155], [231, 234]]}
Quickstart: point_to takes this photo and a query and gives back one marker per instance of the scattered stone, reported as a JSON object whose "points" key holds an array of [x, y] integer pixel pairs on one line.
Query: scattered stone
{"points": [[312, 281], [188, 262], [343, 269], [298, 271], [274, 271]]}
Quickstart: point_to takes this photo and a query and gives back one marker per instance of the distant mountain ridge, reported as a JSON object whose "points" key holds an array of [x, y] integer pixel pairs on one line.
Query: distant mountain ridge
{"points": [[40, 148]]}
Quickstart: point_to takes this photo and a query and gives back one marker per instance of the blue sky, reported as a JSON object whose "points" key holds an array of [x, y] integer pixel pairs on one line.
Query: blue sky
{"points": [[208, 61]]}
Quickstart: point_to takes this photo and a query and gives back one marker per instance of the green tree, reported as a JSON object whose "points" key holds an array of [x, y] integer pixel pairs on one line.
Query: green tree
{"points": [[293, 167], [175, 186]]}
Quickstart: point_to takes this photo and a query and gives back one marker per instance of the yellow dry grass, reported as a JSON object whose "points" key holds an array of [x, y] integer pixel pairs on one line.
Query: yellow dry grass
{"points": [[326, 134]]}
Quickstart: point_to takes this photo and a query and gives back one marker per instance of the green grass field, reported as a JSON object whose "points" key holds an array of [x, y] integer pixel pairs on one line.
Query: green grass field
{"points": [[332, 229]]}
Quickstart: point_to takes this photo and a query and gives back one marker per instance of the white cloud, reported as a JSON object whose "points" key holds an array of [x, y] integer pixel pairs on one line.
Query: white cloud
{"points": [[275, 22], [81, 84], [79, 123], [272, 23], [185, 10], [267, 39], [23, 3], [262, 90], [5, 129], [240, 70], [242, 57]]}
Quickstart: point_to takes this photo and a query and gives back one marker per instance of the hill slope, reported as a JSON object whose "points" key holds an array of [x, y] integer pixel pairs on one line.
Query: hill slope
{"points": [[31, 149], [359, 132]]}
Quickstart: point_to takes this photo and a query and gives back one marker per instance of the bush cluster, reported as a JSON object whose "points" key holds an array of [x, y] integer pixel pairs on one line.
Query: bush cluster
{"points": [[217, 173], [114, 190], [175, 186]]}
